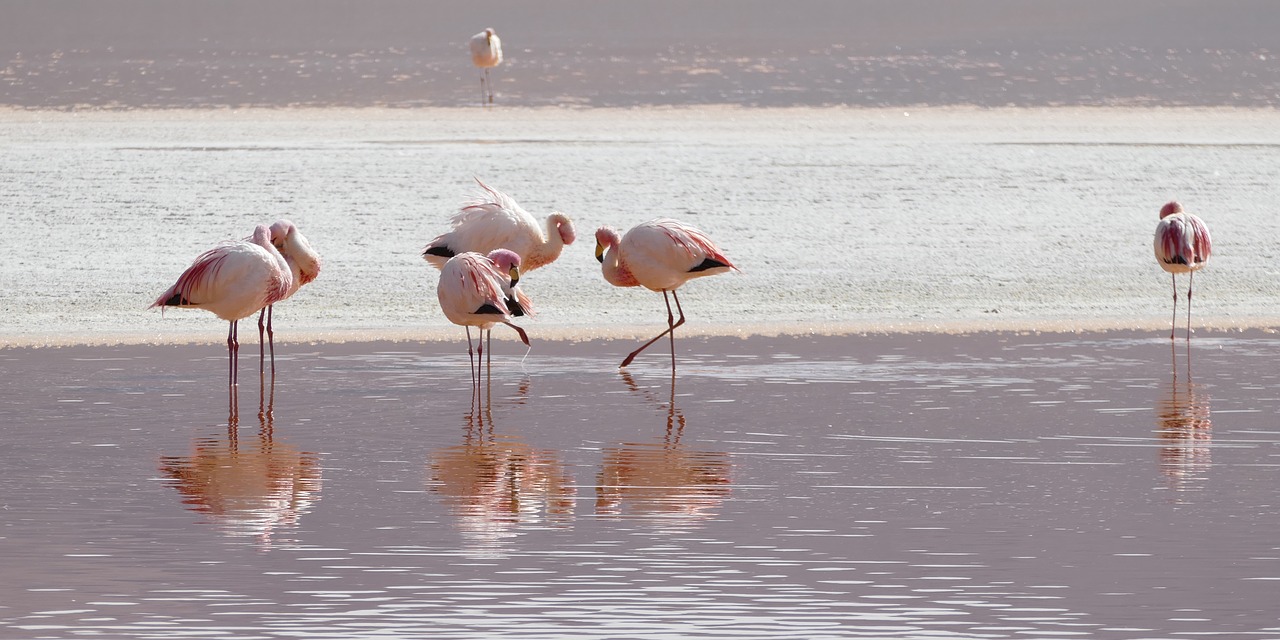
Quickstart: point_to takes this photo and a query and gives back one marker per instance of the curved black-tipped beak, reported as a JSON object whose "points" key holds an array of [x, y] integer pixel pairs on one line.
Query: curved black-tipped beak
{"points": [[599, 253]]}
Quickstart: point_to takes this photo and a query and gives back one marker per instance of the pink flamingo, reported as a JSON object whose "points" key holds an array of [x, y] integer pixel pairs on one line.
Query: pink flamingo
{"points": [[304, 265], [232, 280], [480, 291], [659, 255], [497, 221], [486, 53], [1182, 245]]}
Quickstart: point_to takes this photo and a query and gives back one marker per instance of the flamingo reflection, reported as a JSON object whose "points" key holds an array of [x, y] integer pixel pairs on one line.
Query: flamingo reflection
{"points": [[257, 488], [493, 483], [662, 481], [1185, 430]]}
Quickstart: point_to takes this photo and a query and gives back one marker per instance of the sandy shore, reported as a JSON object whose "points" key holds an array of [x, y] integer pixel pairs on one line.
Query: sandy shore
{"points": [[842, 220]]}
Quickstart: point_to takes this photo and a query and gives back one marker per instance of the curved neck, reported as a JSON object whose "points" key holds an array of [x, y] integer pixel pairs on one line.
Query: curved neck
{"points": [[614, 272]]}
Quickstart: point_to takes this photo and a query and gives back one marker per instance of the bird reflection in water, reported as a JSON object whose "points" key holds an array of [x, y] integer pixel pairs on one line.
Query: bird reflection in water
{"points": [[258, 488], [1184, 429], [665, 481], [493, 483]]}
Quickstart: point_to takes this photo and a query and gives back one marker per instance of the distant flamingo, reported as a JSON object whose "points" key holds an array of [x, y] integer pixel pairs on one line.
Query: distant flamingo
{"points": [[232, 280], [659, 255], [480, 291], [304, 265], [1182, 245], [486, 53], [497, 221]]}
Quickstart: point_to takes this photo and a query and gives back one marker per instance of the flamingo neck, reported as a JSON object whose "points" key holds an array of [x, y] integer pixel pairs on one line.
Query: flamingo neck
{"points": [[616, 273]]}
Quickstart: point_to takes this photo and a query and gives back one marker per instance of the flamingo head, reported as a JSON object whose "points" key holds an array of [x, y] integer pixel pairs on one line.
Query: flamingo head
{"points": [[564, 226], [295, 247], [262, 235], [507, 261], [605, 237], [1170, 208]]}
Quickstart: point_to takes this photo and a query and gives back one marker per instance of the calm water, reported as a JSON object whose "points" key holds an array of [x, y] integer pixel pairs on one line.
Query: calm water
{"points": [[989, 486]]}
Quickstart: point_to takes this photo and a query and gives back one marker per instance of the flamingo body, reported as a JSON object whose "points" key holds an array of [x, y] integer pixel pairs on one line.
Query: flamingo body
{"points": [[659, 255], [1182, 245], [497, 221], [1182, 241], [480, 291], [486, 49], [233, 280]]}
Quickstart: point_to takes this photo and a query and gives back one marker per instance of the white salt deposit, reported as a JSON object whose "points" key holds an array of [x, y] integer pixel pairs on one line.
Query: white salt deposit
{"points": [[840, 219]]}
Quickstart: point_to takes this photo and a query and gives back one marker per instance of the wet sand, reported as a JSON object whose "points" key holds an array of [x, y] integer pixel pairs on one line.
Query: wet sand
{"points": [[991, 485]]}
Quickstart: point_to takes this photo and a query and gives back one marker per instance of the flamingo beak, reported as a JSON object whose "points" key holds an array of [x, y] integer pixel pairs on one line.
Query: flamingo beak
{"points": [[600, 253], [515, 275]]}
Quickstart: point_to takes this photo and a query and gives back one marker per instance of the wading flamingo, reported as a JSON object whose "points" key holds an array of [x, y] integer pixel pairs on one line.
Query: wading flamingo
{"points": [[233, 281], [659, 255], [480, 291], [1182, 245], [304, 265], [496, 221], [486, 53]]}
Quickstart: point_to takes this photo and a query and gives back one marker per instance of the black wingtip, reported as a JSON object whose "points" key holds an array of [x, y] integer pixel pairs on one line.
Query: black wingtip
{"points": [[486, 309], [709, 264], [176, 301], [514, 306], [443, 252]]}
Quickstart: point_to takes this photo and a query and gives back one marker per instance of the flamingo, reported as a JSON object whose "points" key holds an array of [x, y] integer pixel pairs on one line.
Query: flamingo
{"points": [[497, 221], [1182, 245], [233, 281], [659, 255], [480, 291], [486, 53], [304, 265]]}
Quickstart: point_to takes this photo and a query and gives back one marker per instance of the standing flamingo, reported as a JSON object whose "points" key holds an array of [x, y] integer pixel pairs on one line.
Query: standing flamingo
{"points": [[304, 265], [1182, 245], [480, 291], [232, 280], [486, 53], [659, 255], [496, 221]]}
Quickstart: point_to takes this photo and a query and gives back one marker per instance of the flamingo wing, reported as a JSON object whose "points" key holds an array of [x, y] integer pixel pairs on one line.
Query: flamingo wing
{"points": [[1182, 240], [471, 286]]}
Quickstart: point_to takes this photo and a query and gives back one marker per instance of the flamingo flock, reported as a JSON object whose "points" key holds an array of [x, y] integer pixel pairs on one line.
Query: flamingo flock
{"points": [[492, 239]]}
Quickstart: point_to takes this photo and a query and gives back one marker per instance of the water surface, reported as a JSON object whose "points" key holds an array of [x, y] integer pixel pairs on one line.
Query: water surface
{"points": [[980, 486]]}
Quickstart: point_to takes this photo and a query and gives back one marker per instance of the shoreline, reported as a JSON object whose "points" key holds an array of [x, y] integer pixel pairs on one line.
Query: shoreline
{"points": [[570, 335]]}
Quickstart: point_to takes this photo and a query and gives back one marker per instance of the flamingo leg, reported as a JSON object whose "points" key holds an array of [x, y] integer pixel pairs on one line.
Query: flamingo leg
{"points": [[671, 325], [470, 354], [488, 83], [261, 342], [271, 336], [482, 89], [1173, 324], [524, 337], [1191, 278]]}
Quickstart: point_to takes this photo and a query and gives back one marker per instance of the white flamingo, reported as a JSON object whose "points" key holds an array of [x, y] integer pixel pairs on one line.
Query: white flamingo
{"points": [[659, 255], [1182, 245], [486, 53], [480, 291], [497, 221], [232, 280], [304, 265]]}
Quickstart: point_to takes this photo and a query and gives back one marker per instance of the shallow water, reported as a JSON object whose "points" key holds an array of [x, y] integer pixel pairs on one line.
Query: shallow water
{"points": [[981, 486]]}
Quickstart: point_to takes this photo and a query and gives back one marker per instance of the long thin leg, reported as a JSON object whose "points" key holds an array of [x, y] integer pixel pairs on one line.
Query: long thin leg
{"points": [[1173, 324], [231, 361], [671, 325], [482, 89], [271, 336], [262, 343], [1191, 278], [471, 355], [488, 83], [235, 352], [673, 329]]}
